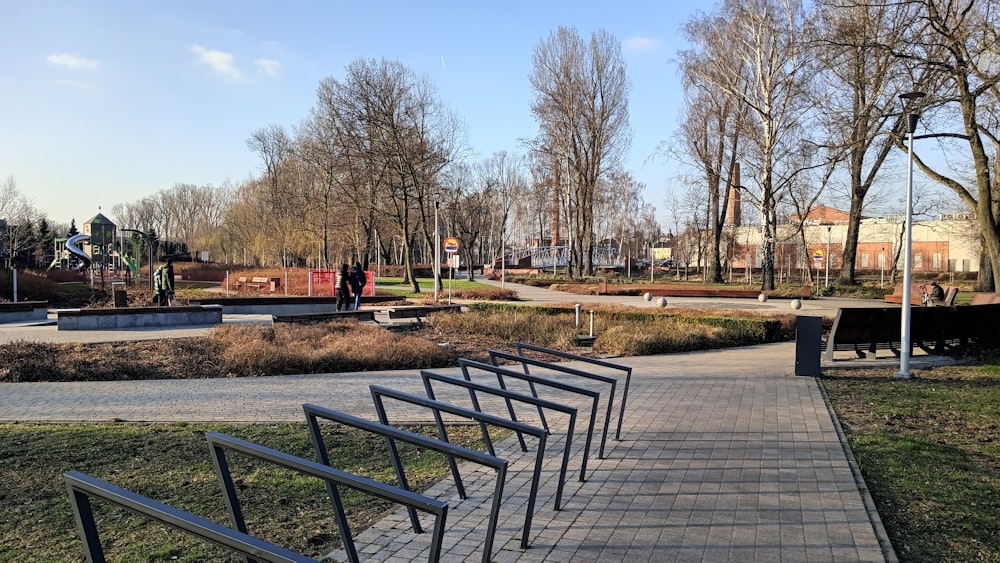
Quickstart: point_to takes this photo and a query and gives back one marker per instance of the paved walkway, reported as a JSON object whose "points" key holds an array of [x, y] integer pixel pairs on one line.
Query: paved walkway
{"points": [[725, 456]]}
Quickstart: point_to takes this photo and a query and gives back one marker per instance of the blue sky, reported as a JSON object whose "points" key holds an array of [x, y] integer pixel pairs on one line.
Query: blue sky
{"points": [[104, 102]]}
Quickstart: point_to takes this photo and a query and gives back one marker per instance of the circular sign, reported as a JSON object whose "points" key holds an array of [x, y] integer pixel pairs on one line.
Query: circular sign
{"points": [[818, 256], [451, 245]]}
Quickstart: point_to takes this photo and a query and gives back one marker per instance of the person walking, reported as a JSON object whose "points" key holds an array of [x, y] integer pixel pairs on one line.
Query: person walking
{"points": [[163, 283], [158, 286], [358, 282], [343, 290]]}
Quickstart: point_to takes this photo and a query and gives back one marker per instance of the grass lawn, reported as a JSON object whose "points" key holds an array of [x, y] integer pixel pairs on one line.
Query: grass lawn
{"points": [[397, 287], [929, 454], [170, 463]]}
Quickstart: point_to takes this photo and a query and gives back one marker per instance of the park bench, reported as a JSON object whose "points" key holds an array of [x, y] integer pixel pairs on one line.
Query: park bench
{"points": [[936, 330], [258, 283], [915, 295], [241, 282], [420, 311], [364, 315], [984, 298]]}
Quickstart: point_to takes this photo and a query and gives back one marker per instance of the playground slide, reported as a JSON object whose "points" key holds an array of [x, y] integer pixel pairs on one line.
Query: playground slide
{"points": [[74, 249], [130, 263]]}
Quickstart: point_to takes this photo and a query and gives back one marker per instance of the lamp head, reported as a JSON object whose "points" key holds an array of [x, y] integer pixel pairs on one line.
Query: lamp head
{"points": [[911, 99]]}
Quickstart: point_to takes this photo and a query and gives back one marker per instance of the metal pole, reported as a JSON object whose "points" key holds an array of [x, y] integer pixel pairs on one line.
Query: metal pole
{"points": [[437, 250], [828, 227], [905, 343]]}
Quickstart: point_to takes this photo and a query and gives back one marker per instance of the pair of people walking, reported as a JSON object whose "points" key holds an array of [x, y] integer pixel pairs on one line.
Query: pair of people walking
{"points": [[349, 285]]}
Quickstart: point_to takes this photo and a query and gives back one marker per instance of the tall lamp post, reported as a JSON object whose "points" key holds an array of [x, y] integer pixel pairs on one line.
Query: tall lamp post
{"points": [[909, 99], [437, 251], [827, 282]]}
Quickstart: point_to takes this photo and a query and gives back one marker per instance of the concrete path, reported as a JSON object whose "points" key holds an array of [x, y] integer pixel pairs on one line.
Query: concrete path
{"points": [[725, 456]]}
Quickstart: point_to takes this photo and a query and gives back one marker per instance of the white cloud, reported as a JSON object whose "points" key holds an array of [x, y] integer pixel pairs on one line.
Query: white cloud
{"points": [[268, 67], [219, 61], [642, 44], [72, 61]]}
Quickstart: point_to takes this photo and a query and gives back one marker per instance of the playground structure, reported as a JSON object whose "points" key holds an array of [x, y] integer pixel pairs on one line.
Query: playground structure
{"points": [[100, 249]]}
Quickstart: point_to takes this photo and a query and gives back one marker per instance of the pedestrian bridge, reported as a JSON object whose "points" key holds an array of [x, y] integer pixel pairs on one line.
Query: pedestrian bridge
{"points": [[558, 256]]}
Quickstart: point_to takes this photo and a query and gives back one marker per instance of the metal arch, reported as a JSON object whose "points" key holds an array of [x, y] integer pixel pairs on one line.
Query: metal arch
{"points": [[500, 372], [525, 362], [313, 413], [521, 346], [219, 443], [429, 376], [378, 392], [82, 487]]}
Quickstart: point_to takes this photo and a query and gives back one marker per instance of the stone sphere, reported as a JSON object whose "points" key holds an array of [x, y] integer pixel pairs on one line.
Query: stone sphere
{"points": [[647, 296], [662, 302], [796, 304], [762, 298]]}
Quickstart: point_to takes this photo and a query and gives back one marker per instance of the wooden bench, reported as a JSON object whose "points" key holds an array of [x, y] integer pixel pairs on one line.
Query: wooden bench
{"points": [[936, 330], [420, 311], [702, 291], [241, 282], [984, 298], [257, 283], [916, 293], [364, 315]]}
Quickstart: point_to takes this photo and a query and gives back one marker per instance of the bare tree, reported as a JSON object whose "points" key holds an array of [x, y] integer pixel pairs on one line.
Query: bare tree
{"points": [[19, 215], [502, 180], [859, 104], [581, 104], [958, 43], [275, 148], [769, 71], [402, 125]]}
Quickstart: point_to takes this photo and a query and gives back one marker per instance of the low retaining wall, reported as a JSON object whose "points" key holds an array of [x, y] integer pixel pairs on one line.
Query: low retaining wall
{"points": [[285, 306], [137, 317], [24, 311]]}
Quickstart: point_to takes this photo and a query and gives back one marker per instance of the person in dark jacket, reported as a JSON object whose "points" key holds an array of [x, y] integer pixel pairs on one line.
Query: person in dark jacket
{"points": [[343, 290], [358, 281]]}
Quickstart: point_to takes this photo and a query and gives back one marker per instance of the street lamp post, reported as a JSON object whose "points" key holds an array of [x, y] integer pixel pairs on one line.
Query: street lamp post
{"points": [[827, 282], [437, 251], [909, 100]]}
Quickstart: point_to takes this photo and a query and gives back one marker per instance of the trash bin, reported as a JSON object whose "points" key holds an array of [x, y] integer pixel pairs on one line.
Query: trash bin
{"points": [[808, 345], [119, 294]]}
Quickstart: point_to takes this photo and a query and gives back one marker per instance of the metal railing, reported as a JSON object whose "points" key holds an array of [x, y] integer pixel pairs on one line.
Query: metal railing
{"points": [[525, 362], [522, 346], [473, 387], [437, 407], [314, 413], [82, 487], [595, 396], [219, 443]]}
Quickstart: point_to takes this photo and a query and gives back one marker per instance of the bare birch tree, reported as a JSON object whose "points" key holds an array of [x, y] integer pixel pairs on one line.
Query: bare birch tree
{"points": [[768, 71]]}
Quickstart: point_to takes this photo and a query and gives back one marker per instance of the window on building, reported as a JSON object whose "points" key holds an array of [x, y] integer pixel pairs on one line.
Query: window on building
{"points": [[936, 260], [864, 260], [918, 261]]}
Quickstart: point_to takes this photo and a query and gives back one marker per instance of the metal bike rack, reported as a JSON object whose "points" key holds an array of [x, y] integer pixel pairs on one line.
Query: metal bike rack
{"points": [[525, 362], [500, 373], [429, 376], [219, 443], [522, 346], [378, 392], [82, 487], [313, 413]]}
